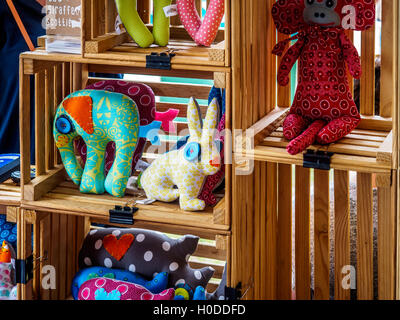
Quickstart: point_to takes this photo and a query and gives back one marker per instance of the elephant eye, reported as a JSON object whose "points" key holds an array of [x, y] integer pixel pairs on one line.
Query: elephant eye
{"points": [[192, 152], [64, 125]]}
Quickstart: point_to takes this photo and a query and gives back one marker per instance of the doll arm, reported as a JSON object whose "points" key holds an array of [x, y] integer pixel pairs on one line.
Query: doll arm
{"points": [[288, 61], [351, 56]]}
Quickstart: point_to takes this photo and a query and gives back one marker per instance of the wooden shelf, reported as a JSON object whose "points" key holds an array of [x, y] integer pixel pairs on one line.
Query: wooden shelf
{"points": [[10, 194], [367, 149], [67, 199], [187, 56]]}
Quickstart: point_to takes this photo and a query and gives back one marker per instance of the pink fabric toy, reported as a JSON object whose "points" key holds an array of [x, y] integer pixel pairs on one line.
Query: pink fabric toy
{"points": [[144, 98], [110, 289], [203, 33]]}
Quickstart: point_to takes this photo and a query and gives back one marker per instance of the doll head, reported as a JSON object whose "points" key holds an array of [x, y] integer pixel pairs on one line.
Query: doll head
{"points": [[291, 16]]}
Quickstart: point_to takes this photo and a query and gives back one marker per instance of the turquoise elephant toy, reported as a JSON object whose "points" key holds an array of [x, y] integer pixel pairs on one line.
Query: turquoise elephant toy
{"points": [[100, 117]]}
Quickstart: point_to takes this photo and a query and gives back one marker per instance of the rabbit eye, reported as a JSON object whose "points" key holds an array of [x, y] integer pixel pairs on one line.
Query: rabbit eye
{"points": [[192, 151], [64, 125]]}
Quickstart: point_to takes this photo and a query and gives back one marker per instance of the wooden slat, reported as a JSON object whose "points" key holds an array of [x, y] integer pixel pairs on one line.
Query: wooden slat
{"points": [[63, 285], [49, 113], [284, 250], [95, 13], [40, 126], [367, 82], [386, 242], [364, 237], [45, 250], [321, 234], [24, 125], [272, 232], [111, 14], [342, 231], [55, 249], [302, 233], [388, 59], [72, 254]]}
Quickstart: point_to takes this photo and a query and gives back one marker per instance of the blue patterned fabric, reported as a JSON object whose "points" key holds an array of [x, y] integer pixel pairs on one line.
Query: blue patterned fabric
{"points": [[8, 231]]}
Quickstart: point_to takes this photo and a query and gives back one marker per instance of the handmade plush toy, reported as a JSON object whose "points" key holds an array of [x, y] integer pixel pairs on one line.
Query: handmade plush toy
{"points": [[8, 289], [145, 252], [203, 33], [110, 289], [100, 117], [145, 101], [184, 292], [156, 285], [187, 167], [323, 109], [138, 30]]}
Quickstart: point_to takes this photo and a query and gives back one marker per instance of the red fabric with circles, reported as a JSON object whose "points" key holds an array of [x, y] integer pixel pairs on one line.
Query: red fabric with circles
{"points": [[110, 289], [323, 102], [144, 98]]}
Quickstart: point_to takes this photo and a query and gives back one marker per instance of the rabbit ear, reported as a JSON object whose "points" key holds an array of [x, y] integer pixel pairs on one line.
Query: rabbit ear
{"points": [[210, 122], [195, 122]]}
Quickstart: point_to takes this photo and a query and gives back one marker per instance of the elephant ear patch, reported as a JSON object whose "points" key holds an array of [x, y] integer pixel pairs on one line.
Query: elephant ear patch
{"points": [[80, 109], [118, 247]]}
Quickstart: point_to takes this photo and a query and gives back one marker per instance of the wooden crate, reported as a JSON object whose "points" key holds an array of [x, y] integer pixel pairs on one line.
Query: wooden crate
{"points": [[298, 236], [56, 75], [101, 41], [57, 239]]}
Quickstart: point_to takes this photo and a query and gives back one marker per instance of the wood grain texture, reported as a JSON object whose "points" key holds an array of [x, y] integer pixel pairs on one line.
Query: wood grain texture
{"points": [[386, 243], [321, 234], [364, 237], [342, 231], [367, 81], [284, 245], [302, 233]]}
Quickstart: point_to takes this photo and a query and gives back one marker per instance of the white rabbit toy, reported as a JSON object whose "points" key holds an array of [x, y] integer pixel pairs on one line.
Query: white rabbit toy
{"points": [[181, 173]]}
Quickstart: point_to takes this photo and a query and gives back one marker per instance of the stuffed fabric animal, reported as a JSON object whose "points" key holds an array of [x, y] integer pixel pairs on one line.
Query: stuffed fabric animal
{"points": [[145, 252], [203, 33], [145, 101], [323, 109], [156, 285], [8, 289], [187, 167], [100, 117], [138, 30], [110, 289]]}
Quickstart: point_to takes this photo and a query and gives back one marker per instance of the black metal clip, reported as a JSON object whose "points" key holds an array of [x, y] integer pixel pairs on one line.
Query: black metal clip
{"points": [[122, 215], [159, 61], [233, 293], [24, 270], [317, 160]]}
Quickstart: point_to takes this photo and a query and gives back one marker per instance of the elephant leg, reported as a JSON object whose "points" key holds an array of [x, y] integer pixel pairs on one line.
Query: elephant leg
{"points": [[93, 174], [121, 169]]}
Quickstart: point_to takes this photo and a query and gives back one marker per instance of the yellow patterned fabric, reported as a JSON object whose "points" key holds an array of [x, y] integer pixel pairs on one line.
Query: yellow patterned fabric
{"points": [[172, 176]]}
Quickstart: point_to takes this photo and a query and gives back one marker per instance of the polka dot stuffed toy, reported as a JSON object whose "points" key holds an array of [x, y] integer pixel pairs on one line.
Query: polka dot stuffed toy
{"points": [[323, 110], [145, 252], [203, 33], [187, 167], [8, 288]]}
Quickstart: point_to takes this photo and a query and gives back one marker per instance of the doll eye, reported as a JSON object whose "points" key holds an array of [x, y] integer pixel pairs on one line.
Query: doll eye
{"points": [[330, 3], [64, 125], [192, 152], [310, 2]]}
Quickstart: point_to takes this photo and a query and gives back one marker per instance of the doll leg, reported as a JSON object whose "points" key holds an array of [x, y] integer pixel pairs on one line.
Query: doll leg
{"points": [[306, 139], [337, 129], [293, 126]]}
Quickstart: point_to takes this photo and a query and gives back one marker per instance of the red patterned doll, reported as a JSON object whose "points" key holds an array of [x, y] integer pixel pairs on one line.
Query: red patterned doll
{"points": [[323, 110]]}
